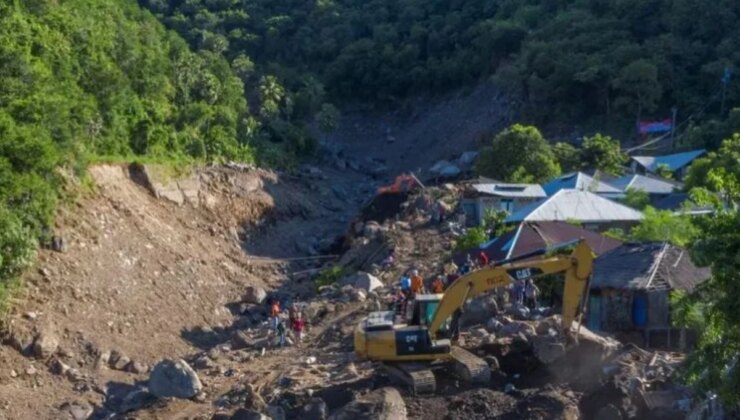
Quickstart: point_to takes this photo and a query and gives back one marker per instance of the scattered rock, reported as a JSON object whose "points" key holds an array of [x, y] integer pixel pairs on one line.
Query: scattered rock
{"points": [[136, 400], [45, 345], [244, 414], [382, 404], [136, 367], [609, 412], [22, 341], [59, 368], [204, 362], [13, 373], [275, 412], [31, 316], [121, 363], [58, 244], [316, 409], [479, 310], [76, 410], [517, 327], [548, 349], [174, 379], [255, 295], [492, 362], [519, 312], [362, 280], [30, 371], [493, 325]]}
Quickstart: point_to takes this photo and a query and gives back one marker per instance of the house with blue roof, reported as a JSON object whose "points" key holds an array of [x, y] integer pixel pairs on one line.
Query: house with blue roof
{"points": [[677, 163], [656, 188], [481, 197], [583, 182], [590, 210]]}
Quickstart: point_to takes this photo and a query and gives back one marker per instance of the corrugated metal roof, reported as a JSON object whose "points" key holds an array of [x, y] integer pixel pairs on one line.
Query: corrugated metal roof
{"points": [[673, 162], [579, 181], [649, 265], [531, 236], [511, 190], [583, 206], [645, 183]]}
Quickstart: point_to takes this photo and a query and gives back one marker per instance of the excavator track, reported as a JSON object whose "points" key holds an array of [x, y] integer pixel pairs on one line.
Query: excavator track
{"points": [[470, 367], [418, 377]]}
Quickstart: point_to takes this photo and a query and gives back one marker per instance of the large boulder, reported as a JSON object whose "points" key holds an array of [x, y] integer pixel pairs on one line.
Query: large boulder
{"points": [[316, 409], [45, 345], [520, 312], [362, 280], [255, 295], [515, 327], [382, 404], [479, 310], [174, 379]]}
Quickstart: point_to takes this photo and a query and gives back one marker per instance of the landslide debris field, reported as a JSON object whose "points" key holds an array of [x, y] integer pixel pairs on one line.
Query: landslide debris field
{"points": [[153, 267]]}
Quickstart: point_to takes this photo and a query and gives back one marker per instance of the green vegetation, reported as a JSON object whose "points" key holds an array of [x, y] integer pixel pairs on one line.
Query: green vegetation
{"points": [[608, 62], [602, 153], [637, 199], [472, 238], [330, 276], [518, 154], [661, 225], [714, 308], [88, 80]]}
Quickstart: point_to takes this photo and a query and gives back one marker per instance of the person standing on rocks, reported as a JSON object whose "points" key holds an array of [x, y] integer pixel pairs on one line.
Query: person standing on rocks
{"points": [[531, 292], [275, 314], [280, 330], [417, 283], [438, 286], [406, 284], [298, 325]]}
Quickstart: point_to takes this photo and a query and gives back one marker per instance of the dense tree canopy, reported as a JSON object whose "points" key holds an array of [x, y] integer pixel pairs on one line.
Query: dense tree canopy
{"points": [[82, 79], [573, 59], [518, 154]]}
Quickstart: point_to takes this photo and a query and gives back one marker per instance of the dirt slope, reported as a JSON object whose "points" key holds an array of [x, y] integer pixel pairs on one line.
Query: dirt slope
{"points": [[424, 131], [149, 278]]}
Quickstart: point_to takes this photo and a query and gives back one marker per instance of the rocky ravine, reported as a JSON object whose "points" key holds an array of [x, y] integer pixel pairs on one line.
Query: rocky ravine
{"points": [[148, 269]]}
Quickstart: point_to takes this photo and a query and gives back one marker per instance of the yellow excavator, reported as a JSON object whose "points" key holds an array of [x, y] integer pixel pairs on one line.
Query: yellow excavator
{"points": [[412, 348]]}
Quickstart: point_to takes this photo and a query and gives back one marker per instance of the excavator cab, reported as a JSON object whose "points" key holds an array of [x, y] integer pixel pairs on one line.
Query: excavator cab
{"points": [[424, 308]]}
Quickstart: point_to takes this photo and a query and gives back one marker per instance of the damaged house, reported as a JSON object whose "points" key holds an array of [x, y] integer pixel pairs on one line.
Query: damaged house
{"points": [[481, 197], [631, 286]]}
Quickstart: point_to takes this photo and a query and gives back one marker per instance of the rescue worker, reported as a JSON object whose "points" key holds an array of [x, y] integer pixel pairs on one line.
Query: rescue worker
{"points": [[531, 292], [438, 286], [417, 283], [274, 314], [406, 285], [482, 259], [280, 328], [298, 325]]}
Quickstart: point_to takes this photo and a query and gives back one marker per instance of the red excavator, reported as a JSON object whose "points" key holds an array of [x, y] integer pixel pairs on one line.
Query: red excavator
{"points": [[402, 184]]}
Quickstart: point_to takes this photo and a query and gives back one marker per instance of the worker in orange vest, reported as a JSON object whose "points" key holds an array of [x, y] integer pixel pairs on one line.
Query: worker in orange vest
{"points": [[417, 283], [438, 286]]}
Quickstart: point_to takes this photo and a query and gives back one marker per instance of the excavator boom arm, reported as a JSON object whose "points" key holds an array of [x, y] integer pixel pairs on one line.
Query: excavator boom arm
{"points": [[577, 268]]}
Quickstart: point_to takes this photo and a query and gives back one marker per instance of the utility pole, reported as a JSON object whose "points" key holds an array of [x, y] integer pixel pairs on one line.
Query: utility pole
{"points": [[674, 111]]}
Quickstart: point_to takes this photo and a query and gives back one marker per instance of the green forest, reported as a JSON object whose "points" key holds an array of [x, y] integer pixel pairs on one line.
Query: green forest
{"points": [[84, 80], [588, 61]]}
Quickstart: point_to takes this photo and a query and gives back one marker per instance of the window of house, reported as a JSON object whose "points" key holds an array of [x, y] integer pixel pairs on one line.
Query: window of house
{"points": [[507, 205]]}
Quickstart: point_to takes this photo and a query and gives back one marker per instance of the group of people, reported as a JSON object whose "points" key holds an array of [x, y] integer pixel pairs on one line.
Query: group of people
{"points": [[521, 291], [525, 292], [295, 322]]}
